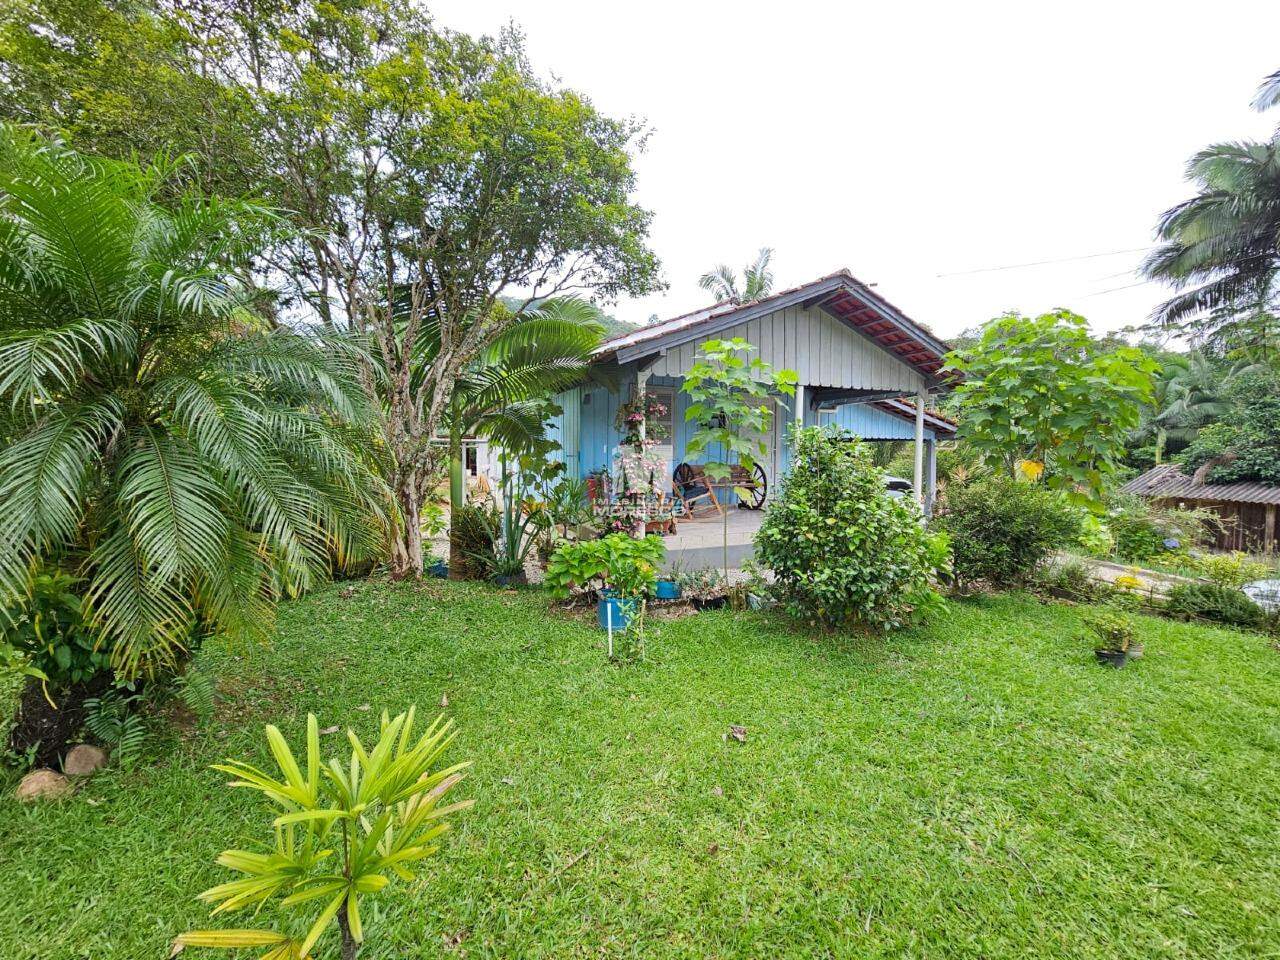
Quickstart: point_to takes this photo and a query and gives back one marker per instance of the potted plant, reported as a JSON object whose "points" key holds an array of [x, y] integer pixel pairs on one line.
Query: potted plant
{"points": [[1114, 627], [706, 588], [619, 569]]}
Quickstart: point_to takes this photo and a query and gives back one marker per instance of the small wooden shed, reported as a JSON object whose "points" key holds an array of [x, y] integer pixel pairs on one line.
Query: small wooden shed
{"points": [[1248, 508]]}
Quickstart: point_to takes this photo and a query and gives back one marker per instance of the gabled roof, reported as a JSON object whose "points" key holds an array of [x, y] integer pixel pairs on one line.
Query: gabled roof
{"points": [[839, 294], [1167, 481]]}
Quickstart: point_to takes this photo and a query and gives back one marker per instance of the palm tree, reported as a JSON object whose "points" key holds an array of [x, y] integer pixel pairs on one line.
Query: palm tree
{"points": [[1224, 243], [757, 280], [504, 395], [159, 440]]}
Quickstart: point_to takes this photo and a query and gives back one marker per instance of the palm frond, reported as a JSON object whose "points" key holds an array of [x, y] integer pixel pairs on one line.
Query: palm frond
{"points": [[721, 282], [43, 473], [1268, 94]]}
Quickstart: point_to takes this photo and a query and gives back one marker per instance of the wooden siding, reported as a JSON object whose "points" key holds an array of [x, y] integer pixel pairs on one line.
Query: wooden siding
{"points": [[1244, 526], [823, 351]]}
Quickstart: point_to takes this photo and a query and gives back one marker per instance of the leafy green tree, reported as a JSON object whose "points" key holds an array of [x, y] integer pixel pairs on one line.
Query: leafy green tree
{"points": [[1040, 394], [1221, 248], [437, 166], [731, 407], [432, 173], [118, 79], [757, 280], [1245, 443], [157, 440]]}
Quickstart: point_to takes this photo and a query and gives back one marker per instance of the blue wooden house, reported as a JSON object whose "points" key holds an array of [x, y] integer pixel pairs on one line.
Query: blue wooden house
{"points": [[862, 365]]}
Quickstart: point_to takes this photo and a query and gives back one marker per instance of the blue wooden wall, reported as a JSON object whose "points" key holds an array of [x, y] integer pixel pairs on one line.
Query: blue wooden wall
{"points": [[598, 406]]}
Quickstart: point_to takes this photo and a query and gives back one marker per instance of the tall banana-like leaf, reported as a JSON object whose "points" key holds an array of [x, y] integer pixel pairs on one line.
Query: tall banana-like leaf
{"points": [[158, 439]]}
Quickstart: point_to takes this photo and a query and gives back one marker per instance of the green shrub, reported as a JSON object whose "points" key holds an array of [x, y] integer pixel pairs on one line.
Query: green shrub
{"points": [[1002, 529], [1212, 601], [49, 629], [1230, 569], [840, 549], [1070, 578]]}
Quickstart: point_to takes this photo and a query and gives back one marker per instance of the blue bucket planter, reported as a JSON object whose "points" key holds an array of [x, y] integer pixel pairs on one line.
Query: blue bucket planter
{"points": [[666, 590], [615, 608], [439, 569]]}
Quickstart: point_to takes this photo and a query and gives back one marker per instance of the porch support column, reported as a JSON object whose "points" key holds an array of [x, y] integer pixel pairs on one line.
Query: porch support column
{"points": [[799, 404], [918, 479], [642, 380]]}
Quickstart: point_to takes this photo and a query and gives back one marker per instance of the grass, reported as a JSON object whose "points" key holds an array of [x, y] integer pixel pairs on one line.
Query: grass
{"points": [[979, 788]]}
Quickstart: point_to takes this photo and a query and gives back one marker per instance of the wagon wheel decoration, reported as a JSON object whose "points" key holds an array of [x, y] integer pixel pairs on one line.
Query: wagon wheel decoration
{"points": [[757, 493]]}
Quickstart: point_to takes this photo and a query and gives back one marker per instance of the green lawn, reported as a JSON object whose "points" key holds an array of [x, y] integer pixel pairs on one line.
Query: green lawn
{"points": [[976, 789]]}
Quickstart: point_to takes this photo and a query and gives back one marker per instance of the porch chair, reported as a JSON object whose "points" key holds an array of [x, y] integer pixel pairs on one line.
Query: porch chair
{"points": [[689, 485]]}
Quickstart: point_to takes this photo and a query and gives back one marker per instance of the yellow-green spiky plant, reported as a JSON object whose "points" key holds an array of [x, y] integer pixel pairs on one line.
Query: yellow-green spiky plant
{"points": [[344, 831]]}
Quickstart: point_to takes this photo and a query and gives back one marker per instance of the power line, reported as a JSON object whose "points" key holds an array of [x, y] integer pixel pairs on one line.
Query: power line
{"points": [[1043, 263], [1127, 286]]}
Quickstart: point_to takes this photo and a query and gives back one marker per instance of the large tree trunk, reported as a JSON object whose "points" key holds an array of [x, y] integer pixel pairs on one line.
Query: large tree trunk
{"points": [[406, 551]]}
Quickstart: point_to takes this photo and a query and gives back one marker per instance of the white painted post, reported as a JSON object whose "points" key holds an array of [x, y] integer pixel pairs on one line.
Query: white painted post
{"points": [[642, 379], [918, 479], [799, 405]]}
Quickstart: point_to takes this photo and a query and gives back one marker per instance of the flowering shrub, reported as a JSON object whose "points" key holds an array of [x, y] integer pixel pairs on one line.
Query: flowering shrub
{"points": [[839, 547], [640, 468], [646, 409]]}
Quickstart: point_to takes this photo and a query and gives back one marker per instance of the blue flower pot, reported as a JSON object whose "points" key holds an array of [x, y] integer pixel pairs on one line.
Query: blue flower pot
{"points": [[667, 590], [439, 569], [615, 608]]}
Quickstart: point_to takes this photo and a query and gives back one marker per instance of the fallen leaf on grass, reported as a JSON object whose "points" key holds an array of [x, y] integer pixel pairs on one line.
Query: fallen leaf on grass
{"points": [[738, 733], [364, 706], [713, 849], [334, 729], [717, 791], [444, 700]]}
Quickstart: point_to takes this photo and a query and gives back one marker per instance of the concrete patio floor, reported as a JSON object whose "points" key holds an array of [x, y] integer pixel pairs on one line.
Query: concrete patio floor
{"points": [[700, 543]]}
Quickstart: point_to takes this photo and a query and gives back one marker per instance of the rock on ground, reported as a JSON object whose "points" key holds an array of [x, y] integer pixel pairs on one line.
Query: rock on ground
{"points": [[43, 785], [84, 759]]}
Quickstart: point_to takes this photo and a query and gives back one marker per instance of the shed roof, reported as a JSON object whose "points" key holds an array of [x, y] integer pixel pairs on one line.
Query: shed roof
{"points": [[840, 294], [1166, 481], [906, 409]]}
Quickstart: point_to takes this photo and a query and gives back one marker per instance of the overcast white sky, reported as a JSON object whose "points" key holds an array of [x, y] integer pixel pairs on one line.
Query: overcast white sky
{"points": [[909, 140]]}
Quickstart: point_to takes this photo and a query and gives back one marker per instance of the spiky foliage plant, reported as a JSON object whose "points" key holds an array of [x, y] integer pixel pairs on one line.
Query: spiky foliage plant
{"points": [[344, 832]]}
